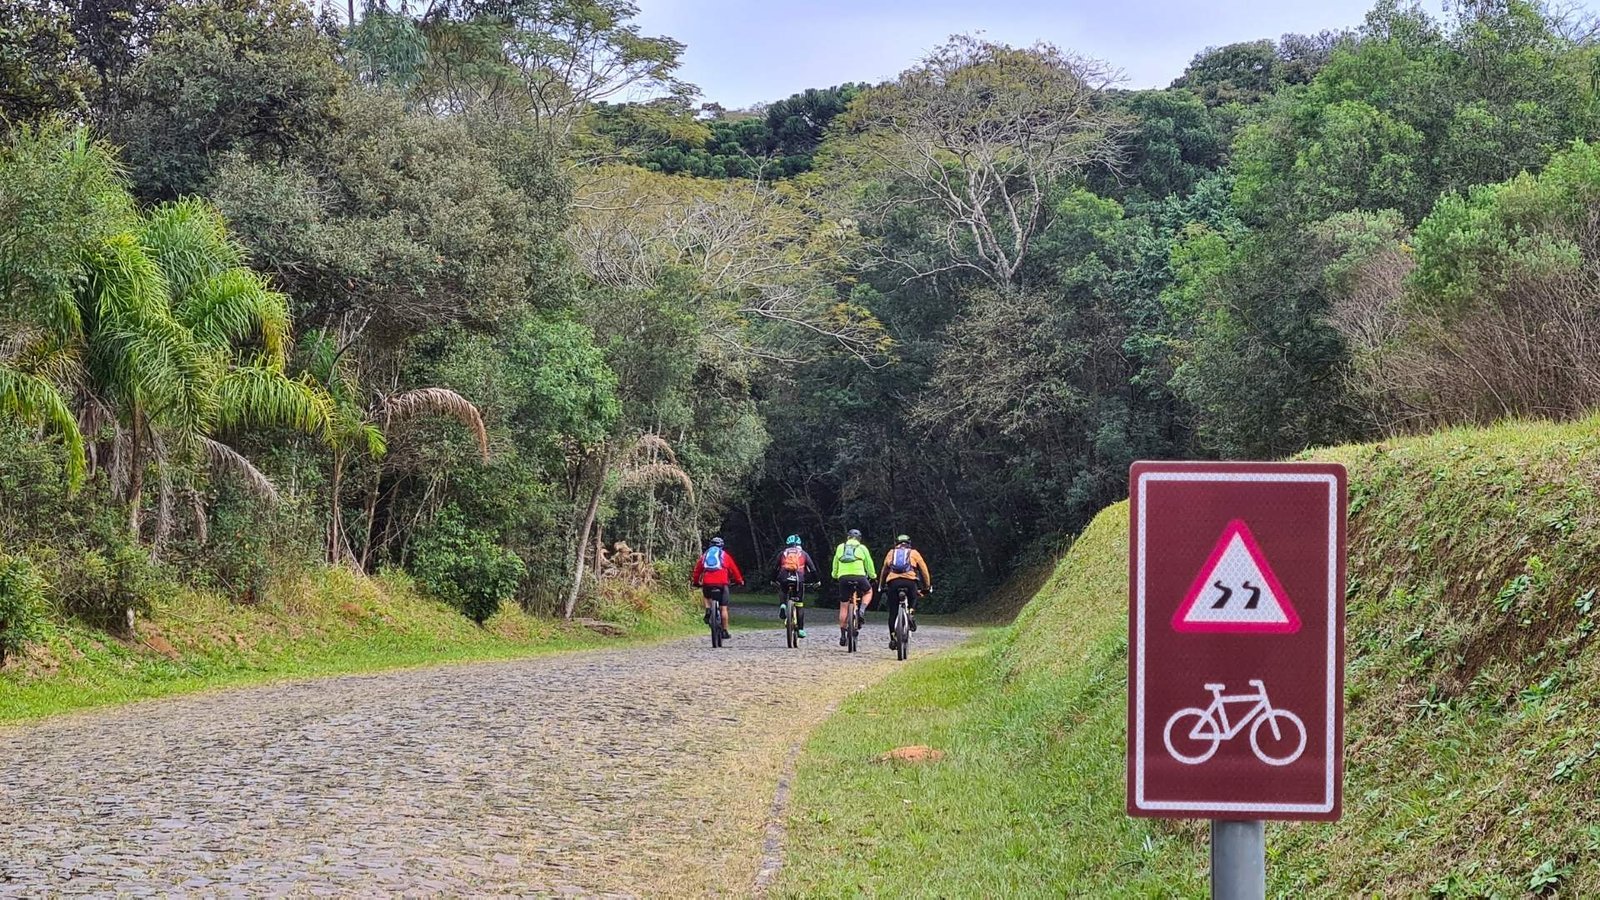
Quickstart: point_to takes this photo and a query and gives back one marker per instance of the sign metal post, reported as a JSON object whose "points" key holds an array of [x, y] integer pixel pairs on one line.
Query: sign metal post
{"points": [[1238, 859], [1236, 576]]}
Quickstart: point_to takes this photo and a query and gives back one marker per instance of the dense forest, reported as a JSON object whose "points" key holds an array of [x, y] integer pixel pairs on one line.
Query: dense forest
{"points": [[479, 288]]}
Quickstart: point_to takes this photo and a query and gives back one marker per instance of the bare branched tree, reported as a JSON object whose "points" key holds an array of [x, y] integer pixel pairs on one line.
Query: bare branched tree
{"points": [[978, 135], [761, 252]]}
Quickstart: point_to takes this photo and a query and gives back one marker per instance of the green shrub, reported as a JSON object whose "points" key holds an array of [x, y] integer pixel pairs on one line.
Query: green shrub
{"points": [[107, 587], [465, 567], [22, 604]]}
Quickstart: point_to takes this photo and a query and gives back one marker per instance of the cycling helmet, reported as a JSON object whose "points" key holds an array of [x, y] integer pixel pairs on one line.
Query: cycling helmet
{"points": [[855, 533], [792, 541], [716, 542], [903, 539]]}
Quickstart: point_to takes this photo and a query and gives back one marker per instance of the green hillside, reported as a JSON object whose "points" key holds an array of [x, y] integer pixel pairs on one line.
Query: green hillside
{"points": [[1472, 689]]}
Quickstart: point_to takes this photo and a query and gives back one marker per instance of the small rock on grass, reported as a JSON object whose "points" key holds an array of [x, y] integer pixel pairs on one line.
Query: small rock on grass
{"points": [[916, 753]]}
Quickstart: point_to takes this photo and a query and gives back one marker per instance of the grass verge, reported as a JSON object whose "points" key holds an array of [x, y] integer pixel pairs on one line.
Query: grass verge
{"points": [[331, 622], [1473, 711]]}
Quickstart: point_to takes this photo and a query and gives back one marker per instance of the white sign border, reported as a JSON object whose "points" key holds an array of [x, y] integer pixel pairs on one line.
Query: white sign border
{"points": [[1139, 801]]}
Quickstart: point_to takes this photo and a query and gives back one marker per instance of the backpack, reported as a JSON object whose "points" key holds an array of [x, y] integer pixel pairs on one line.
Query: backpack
{"points": [[793, 560], [849, 553], [900, 563], [713, 560]]}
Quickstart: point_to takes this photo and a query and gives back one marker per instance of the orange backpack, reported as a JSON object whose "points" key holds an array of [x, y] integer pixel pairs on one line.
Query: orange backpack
{"points": [[794, 560]]}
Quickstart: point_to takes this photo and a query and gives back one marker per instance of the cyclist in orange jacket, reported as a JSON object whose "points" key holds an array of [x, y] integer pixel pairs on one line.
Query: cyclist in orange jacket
{"points": [[792, 570], [904, 572]]}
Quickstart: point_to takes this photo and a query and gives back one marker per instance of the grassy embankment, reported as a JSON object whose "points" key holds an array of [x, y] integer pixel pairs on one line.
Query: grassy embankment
{"points": [[1473, 702], [332, 622]]}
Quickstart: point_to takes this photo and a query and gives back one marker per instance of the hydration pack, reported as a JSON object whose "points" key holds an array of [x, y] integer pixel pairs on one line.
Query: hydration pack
{"points": [[900, 563], [851, 547], [713, 560], [793, 560]]}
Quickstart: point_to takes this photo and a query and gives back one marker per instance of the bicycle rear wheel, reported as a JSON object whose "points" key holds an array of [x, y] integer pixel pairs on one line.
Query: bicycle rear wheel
{"points": [[716, 626], [790, 629], [853, 631], [902, 634]]}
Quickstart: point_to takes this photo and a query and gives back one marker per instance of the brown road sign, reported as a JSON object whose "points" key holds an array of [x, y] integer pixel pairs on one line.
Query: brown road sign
{"points": [[1236, 640]]}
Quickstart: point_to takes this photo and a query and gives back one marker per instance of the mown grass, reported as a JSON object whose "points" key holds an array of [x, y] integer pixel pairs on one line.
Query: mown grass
{"points": [[330, 622], [1473, 697]]}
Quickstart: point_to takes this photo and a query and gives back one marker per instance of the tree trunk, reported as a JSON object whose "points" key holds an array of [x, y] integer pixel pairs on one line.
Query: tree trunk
{"points": [[755, 542], [335, 514], [136, 476], [197, 506], [582, 543], [372, 513]]}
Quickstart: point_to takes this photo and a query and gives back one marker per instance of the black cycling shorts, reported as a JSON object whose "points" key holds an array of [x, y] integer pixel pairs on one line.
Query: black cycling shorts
{"points": [[791, 590], [854, 584], [718, 593]]}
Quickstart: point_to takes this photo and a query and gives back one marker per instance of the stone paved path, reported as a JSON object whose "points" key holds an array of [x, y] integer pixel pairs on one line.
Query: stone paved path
{"points": [[571, 775]]}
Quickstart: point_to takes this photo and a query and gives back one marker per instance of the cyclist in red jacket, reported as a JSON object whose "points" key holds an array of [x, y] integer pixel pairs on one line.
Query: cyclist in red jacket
{"points": [[714, 572]]}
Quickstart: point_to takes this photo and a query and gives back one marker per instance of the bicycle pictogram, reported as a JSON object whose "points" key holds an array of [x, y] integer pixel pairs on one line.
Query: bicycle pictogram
{"points": [[1201, 731]]}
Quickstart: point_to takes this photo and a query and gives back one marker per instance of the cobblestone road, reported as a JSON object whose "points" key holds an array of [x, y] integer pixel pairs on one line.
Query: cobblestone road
{"points": [[573, 775]]}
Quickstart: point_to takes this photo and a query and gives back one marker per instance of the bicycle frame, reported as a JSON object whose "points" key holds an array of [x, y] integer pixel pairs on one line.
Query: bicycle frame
{"points": [[1218, 710]]}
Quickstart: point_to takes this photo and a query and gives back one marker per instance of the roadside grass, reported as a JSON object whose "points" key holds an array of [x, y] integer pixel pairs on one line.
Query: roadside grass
{"points": [[1473, 711], [330, 622]]}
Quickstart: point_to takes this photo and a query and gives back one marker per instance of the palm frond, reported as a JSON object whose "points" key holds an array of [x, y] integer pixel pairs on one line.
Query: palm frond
{"points": [[442, 402], [189, 240], [650, 444], [652, 474], [377, 445], [257, 395], [34, 399], [233, 305], [140, 353], [228, 460]]}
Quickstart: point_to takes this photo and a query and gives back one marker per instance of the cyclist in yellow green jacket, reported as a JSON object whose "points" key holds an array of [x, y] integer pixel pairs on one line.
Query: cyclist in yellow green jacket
{"points": [[853, 572]]}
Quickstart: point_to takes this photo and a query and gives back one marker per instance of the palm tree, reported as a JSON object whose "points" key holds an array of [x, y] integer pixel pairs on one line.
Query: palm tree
{"points": [[648, 460], [184, 344], [363, 429], [146, 333]]}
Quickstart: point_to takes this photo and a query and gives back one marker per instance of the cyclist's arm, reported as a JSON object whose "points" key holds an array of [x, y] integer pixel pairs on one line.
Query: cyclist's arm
{"points": [[737, 577], [872, 567], [838, 560], [922, 565], [812, 572], [699, 570]]}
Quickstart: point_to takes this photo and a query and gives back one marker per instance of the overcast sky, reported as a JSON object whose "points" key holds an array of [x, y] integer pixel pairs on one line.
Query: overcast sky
{"points": [[745, 51]]}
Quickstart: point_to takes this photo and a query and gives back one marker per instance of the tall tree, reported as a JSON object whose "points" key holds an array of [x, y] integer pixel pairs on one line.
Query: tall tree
{"points": [[978, 136]]}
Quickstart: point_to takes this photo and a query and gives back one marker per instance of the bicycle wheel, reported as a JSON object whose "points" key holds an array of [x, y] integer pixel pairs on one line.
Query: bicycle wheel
{"points": [[853, 631], [716, 626], [1284, 741], [790, 628], [902, 634], [1198, 736]]}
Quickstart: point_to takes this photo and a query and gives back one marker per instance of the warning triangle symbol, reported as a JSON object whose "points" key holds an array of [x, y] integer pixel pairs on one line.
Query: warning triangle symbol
{"points": [[1236, 591]]}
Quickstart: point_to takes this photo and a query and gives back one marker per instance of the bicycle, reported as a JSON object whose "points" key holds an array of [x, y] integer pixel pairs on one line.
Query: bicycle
{"points": [[1212, 726], [714, 617], [853, 626], [902, 626], [791, 621]]}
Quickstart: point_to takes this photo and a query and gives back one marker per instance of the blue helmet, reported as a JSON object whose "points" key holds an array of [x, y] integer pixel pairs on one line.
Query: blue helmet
{"points": [[792, 541]]}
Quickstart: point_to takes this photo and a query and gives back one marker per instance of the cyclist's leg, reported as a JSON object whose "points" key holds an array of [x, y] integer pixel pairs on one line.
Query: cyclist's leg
{"points": [[723, 600], [798, 598], [891, 599], [707, 602]]}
